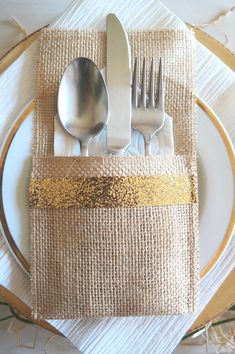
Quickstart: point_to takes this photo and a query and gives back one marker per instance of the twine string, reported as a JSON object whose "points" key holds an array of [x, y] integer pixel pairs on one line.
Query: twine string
{"points": [[218, 19], [18, 24], [49, 339]]}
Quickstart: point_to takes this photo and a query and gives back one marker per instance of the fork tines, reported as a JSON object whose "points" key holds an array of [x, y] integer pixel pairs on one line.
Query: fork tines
{"points": [[140, 101]]}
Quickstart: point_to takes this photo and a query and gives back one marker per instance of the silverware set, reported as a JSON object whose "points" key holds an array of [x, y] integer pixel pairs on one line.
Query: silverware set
{"points": [[87, 104]]}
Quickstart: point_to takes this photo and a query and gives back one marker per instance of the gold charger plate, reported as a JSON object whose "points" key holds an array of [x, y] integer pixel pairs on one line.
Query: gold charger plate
{"points": [[224, 298], [216, 306]]}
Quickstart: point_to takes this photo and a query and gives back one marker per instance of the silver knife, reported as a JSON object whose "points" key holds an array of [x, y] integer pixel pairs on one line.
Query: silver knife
{"points": [[118, 80]]}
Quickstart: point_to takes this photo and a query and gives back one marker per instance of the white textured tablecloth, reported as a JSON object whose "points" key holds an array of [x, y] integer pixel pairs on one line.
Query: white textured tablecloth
{"points": [[216, 85]]}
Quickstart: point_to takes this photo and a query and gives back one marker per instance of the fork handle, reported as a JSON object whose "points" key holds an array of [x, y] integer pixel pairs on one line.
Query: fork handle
{"points": [[147, 140]]}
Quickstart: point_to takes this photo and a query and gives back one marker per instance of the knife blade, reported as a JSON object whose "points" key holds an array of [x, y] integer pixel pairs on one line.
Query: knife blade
{"points": [[118, 80]]}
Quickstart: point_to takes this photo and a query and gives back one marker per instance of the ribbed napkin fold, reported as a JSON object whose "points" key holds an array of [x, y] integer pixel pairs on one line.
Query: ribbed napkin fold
{"points": [[114, 236]]}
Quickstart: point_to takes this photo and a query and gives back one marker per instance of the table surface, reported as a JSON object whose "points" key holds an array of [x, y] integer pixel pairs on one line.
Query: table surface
{"points": [[35, 14]]}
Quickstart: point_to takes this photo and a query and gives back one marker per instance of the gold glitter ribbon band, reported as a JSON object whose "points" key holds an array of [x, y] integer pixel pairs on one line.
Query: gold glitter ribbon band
{"points": [[111, 192]]}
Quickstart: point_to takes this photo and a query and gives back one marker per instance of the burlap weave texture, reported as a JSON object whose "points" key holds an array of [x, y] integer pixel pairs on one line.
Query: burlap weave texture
{"points": [[115, 261]]}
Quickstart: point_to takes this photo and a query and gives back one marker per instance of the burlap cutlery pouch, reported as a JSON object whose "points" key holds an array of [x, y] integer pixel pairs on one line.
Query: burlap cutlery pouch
{"points": [[114, 236]]}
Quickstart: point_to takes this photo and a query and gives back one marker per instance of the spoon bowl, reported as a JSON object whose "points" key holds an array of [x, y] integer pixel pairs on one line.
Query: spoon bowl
{"points": [[83, 101]]}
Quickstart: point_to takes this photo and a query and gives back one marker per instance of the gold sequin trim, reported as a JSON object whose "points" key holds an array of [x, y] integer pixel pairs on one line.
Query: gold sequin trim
{"points": [[111, 192]]}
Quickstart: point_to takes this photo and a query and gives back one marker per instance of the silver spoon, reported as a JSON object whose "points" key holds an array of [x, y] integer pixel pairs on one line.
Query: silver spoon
{"points": [[83, 101]]}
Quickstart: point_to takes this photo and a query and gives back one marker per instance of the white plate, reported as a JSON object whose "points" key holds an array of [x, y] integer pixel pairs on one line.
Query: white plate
{"points": [[216, 187]]}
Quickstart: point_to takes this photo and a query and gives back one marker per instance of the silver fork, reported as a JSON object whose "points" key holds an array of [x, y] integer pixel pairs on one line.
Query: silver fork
{"points": [[147, 113]]}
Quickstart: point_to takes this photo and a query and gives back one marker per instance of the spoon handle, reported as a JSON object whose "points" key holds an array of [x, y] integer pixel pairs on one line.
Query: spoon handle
{"points": [[84, 148]]}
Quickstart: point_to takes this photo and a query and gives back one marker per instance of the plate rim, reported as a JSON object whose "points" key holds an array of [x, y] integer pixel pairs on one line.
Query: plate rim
{"points": [[18, 255], [231, 154]]}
